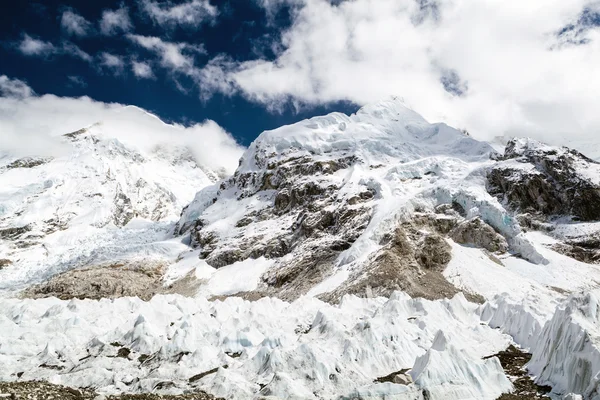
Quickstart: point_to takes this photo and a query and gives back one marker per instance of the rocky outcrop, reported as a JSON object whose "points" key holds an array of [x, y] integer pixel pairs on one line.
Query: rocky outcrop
{"points": [[547, 181], [585, 250], [315, 222], [412, 260], [477, 233], [29, 162]]}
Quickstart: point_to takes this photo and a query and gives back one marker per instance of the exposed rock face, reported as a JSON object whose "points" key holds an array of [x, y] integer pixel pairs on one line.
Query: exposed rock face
{"points": [[547, 181], [306, 196], [477, 233], [4, 262], [315, 222], [412, 261], [29, 162], [585, 250]]}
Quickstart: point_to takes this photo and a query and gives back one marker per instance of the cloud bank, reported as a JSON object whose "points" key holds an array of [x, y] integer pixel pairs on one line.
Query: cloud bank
{"points": [[493, 67], [33, 125]]}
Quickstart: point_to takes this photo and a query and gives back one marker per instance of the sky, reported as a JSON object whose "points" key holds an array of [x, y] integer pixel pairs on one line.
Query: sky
{"points": [[492, 67]]}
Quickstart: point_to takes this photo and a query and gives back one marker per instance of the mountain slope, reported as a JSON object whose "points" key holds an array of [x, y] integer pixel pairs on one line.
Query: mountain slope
{"points": [[99, 200], [333, 201], [380, 231]]}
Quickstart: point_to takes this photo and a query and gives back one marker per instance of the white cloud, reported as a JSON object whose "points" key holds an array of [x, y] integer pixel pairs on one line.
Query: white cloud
{"points": [[76, 81], [111, 61], [34, 47], [498, 59], [115, 21], [14, 88], [33, 125], [171, 55], [142, 70], [75, 24], [74, 51], [189, 13]]}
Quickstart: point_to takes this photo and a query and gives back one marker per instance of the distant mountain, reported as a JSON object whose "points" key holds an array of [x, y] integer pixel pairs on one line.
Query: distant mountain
{"points": [[101, 199]]}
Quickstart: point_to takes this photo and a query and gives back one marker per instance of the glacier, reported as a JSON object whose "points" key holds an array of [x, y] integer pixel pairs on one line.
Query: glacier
{"points": [[252, 323]]}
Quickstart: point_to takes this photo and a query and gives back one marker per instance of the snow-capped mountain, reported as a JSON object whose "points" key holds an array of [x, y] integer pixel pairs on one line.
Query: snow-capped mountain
{"points": [[370, 256], [98, 200]]}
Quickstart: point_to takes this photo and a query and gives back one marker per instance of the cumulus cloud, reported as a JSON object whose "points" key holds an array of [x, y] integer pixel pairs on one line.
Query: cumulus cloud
{"points": [[14, 88], [75, 24], [190, 14], [74, 51], [142, 70], [177, 57], [488, 66], [111, 61], [33, 47], [76, 81], [33, 126], [115, 21]]}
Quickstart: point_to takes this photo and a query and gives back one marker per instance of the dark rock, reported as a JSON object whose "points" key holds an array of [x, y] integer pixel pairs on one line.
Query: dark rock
{"points": [[434, 253], [548, 184], [14, 233], [584, 250], [29, 162], [477, 233]]}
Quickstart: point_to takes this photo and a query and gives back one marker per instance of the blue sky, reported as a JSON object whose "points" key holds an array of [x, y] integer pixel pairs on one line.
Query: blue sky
{"points": [[496, 68], [238, 30]]}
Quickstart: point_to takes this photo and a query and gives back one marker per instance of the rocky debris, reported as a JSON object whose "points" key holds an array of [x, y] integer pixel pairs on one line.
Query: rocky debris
{"points": [[477, 233], [13, 233], [514, 362], [584, 250], [433, 253], [546, 181], [112, 281], [412, 261], [5, 262], [399, 378], [29, 162], [37, 390]]}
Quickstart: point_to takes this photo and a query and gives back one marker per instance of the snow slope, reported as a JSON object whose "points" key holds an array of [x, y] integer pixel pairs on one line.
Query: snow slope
{"points": [[102, 198]]}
